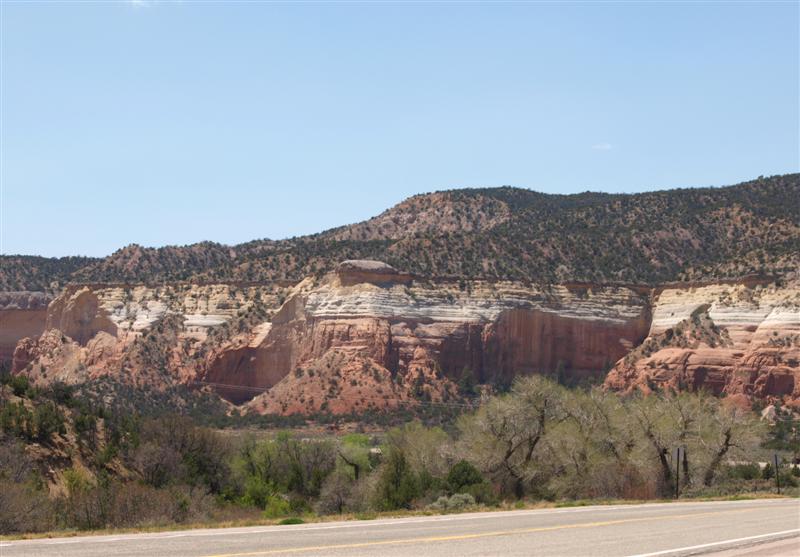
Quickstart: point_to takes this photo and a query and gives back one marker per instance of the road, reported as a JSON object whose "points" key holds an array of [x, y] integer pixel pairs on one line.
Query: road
{"points": [[657, 530]]}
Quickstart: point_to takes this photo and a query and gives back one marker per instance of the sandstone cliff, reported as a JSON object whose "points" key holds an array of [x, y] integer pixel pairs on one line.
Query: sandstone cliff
{"points": [[359, 339], [22, 314], [369, 336], [731, 339], [147, 336]]}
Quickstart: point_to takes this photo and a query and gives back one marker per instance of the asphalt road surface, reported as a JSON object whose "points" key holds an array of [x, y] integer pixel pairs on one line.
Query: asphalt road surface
{"points": [[765, 528]]}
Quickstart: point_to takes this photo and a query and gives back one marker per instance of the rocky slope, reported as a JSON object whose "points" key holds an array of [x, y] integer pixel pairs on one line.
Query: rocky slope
{"points": [[738, 339], [493, 233]]}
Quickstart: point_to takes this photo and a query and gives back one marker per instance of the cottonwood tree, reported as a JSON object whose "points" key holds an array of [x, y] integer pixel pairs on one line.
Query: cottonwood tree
{"points": [[353, 454], [726, 432], [710, 430], [593, 448], [505, 437], [335, 494], [427, 450]]}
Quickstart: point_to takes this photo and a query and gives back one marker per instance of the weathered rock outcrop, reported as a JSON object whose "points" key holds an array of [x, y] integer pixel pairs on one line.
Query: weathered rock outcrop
{"points": [[424, 336], [79, 315], [731, 339], [370, 337], [22, 314], [139, 334], [356, 271]]}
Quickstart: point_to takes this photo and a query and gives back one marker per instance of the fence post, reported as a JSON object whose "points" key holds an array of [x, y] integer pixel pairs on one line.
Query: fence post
{"points": [[777, 474]]}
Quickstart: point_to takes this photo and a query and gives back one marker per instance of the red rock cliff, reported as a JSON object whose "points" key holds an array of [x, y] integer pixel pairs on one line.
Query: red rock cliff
{"points": [[22, 314], [732, 339]]}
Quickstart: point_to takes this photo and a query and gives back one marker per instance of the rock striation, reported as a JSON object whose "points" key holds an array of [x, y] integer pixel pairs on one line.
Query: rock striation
{"points": [[730, 339], [389, 338], [152, 336], [370, 337]]}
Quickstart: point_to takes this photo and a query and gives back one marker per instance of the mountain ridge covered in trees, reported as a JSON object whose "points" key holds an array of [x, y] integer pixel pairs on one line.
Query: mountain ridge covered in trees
{"points": [[496, 233]]}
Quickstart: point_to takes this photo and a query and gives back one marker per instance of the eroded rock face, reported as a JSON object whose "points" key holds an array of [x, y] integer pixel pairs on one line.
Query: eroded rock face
{"points": [[78, 315], [146, 336], [356, 271], [729, 339], [333, 335], [526, 341], [22, 314], [371, 337]]}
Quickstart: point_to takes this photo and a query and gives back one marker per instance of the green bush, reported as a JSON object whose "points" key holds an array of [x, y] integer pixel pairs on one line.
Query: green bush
{"points": [[745, 471], [463, 474], [257, 492], [398, 486], [483, 493], [276, 507], [48, 420], [21, 386]]}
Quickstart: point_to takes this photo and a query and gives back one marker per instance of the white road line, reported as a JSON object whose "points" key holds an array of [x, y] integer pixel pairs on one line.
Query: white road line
{"points": [[714, 544]]}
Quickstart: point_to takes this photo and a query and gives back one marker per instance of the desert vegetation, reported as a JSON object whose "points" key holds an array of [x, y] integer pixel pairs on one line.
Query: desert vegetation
{"points": [[69, 464], [495, 233]]}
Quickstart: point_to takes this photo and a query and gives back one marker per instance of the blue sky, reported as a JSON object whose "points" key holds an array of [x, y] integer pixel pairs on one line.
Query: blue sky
{"points": [[170, 123]]}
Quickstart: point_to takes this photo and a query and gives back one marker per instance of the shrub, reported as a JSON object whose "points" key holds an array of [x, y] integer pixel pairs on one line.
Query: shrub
{"points": [[483, 493], [276, 507], [397, 483], [174, 450], [463, 474], [335, 493], [745, 471], [130, 504], [21, 386], [47, 420], [453, 503], [787, 479], [23, 508]]}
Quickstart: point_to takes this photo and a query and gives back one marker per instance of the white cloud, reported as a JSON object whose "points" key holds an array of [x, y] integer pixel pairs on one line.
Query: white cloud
{"points": [[140, 3], [602, 147]]}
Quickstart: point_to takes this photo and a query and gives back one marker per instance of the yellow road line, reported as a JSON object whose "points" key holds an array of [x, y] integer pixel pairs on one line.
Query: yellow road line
{"points": [[475, 536]]}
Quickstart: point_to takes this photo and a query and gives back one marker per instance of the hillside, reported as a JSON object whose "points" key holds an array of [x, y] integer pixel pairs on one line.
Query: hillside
{"points": [[30, 272], [494, 233]]}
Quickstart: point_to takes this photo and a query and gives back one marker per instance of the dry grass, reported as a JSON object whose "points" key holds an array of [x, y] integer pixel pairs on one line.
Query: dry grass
{"points": [[243, 520]]}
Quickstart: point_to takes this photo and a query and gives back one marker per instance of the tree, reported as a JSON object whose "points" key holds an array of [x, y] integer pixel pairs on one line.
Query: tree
{"points": [[593, 447], [461, 475], [427, 450], [725, 430], [504, 437], [203, 455], [467, 383], [397, 484], [354, 453], [285, 465], [335, 494], [710, 430]]}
